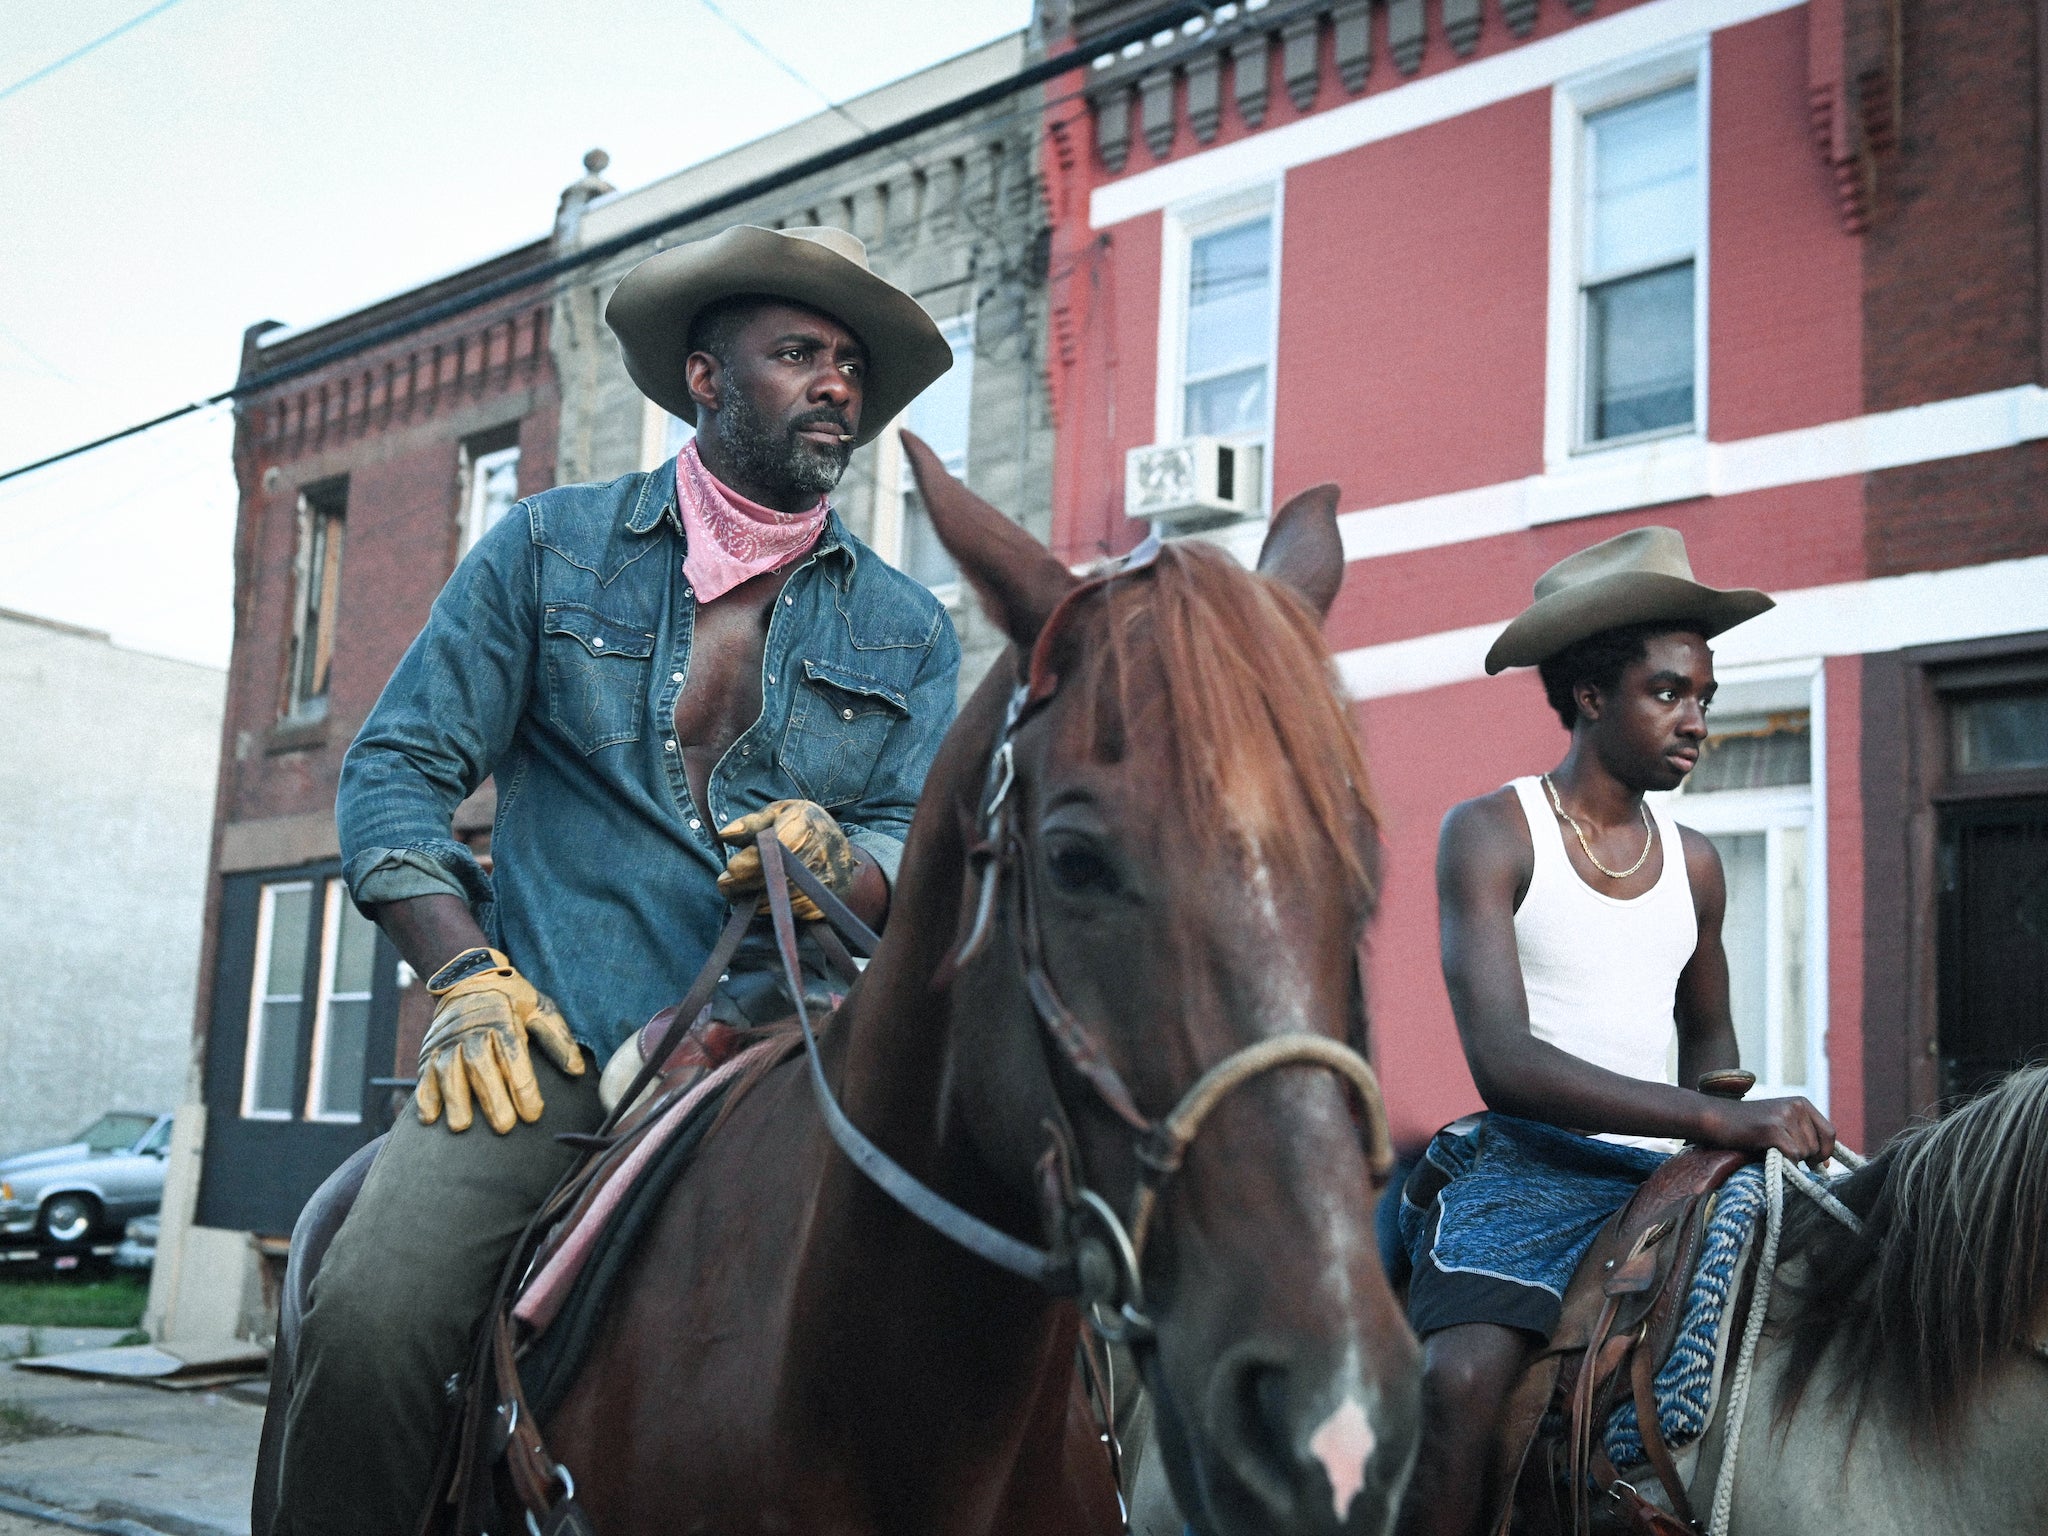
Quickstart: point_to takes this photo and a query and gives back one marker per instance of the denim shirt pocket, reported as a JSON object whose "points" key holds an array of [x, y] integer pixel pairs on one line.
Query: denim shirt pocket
{"points": [[838, 724], [597, 675]]}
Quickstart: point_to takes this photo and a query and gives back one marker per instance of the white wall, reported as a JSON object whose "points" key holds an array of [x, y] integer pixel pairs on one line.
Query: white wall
{"points": [[107, 766]]}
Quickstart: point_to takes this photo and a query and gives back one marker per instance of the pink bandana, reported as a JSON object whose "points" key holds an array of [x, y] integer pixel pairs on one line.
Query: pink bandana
{"points": [[730, 539]]}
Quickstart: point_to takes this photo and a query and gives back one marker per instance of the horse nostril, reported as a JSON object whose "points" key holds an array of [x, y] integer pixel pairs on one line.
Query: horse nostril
{"points": [[1249, 1426]]}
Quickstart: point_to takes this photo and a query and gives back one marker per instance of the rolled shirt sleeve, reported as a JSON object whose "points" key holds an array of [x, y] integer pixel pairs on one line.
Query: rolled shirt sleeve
{"points": [[439, 727]]}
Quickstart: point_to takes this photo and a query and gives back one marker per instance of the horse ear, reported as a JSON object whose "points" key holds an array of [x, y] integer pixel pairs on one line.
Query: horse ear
{"points": [[1016, 577], [1303, 548]]}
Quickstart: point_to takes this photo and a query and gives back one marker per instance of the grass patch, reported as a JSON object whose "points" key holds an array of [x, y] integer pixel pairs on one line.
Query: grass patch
{"points": [[67, 1301], [18, 1422]]}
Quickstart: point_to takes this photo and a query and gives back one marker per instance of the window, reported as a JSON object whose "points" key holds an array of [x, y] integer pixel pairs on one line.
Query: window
{"points": [[309, 1005], [319, 585], [1227, 330], [1642, 230], [490, 481], [2001, 732], [941, 416], [270, 1069], [1628, 253], [341, 1021], [1752, 795]]}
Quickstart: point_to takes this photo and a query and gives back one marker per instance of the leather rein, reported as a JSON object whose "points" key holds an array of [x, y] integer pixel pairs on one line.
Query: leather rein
{"points": [[1099, 1256]]}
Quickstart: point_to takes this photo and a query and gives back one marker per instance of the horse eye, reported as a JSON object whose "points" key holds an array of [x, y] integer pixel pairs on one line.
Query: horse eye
{"points": [[1079, 869]]}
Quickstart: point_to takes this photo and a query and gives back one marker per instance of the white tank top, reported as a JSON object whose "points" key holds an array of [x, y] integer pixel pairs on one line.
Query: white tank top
{"points": [[1601, 973]]}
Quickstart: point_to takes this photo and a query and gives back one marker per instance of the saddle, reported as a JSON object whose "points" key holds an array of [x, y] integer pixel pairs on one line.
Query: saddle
{"points": [[1621, 1314]]}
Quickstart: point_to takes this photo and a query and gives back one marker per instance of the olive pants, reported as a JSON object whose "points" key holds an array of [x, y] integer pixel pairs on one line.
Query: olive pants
{"points": [[396, 1303]]}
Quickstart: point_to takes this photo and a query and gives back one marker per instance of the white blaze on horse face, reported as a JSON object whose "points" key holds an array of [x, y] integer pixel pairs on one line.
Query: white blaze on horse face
{"points": [[1286, 988], [1344, 1444]]}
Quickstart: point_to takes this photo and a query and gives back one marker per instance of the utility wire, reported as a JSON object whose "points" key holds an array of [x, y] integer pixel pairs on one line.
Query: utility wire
{"points": [[561, 266], [80, 52]]}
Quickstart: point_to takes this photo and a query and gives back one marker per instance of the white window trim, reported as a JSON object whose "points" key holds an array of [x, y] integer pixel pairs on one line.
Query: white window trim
{"points": [[1181, 226], [1571, 102], [1764, 689], [474, 479], [252, 1038], [330, 944]]}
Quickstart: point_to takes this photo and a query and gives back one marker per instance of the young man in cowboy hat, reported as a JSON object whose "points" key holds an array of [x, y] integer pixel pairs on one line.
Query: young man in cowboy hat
{"points": [[654, 670], [1580, 930]]}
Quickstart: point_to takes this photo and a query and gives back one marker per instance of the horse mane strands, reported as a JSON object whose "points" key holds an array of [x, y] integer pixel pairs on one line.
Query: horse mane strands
{"points": [[1948, 1279], [1256, 723]]}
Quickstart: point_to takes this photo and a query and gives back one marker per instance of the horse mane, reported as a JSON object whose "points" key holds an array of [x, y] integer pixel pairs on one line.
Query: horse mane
{"points": [[1926, 1304], [1254, 721]]}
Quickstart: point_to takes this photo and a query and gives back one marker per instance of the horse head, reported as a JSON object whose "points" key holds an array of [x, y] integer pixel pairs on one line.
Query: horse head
{"points": [[1174, 850]]}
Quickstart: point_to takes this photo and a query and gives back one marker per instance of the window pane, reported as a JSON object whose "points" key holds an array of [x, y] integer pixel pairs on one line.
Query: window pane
{"points": [[497, 488], [1639, 353], [355, 955], [1755, 753], [1230, 312], [113, 1133], [290, 911], [2001, 732], [1232, 404], [341, 1065], [924, 557], [941, 414], [1792, 978], [1643, 170], [277, 1056], [1743, 940]]}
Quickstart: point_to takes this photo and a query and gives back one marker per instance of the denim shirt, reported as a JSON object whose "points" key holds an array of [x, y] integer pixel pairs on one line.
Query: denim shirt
{"points": [[553, 659]]}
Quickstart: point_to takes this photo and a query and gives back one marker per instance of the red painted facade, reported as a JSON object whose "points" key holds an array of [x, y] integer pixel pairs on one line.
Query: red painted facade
{"points": [[1414, 320]]}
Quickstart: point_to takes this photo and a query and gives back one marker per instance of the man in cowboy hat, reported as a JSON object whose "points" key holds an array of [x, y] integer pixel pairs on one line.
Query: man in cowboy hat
{"points": [[655, 670], [1580, 931]]}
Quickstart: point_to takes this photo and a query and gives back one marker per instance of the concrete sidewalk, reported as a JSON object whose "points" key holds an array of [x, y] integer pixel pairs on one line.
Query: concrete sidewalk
{"points": [[132, 1460]]}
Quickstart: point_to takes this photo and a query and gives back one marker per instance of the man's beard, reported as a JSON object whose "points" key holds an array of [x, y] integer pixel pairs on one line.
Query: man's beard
{"points": [[773, 455]]}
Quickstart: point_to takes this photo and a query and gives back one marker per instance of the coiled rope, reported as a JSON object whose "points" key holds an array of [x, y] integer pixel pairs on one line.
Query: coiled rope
{"points": [[1777, 1169]]}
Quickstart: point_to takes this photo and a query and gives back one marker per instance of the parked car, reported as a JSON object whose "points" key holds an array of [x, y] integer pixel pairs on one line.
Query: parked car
{"points": [[64, 1199], [138, 1244]]}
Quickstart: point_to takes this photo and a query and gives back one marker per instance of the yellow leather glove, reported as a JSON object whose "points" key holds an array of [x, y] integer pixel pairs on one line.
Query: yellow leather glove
{"points": [[476, 1048], [808, 831]]}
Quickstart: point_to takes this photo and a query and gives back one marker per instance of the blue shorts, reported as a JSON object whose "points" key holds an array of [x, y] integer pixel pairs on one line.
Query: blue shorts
{"points": [[1496, 1217]]}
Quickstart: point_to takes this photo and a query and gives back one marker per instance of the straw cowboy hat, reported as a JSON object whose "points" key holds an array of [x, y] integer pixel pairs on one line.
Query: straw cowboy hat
{"points": [[1637, 577], [820, 268]]}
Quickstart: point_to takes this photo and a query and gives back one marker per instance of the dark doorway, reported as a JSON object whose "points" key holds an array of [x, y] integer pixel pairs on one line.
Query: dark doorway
{"points": [[1993, 939]]}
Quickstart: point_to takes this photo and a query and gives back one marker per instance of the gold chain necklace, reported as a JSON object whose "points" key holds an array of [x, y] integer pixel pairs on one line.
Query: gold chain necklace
{"points": [[1649, 835]]}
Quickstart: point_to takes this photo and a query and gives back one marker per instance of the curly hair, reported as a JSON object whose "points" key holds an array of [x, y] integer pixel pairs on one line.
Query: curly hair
{"points": [[1598, 660]]}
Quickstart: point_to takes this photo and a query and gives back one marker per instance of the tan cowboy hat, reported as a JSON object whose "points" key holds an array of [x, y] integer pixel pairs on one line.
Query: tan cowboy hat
{"points": [[821, 268], [1636, 577]]}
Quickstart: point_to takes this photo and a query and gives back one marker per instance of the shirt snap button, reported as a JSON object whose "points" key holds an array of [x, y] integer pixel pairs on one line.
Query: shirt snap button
{"points": [[846, 714], [695, 824], [597, 643], [675, 677], [670, 744]]}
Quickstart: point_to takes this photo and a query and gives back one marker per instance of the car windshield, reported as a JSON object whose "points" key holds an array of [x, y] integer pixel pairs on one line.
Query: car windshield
{"points": [[115, 1132]]}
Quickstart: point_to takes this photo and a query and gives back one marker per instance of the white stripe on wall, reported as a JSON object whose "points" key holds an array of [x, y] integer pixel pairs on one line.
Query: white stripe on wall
{"points": [[1851, 618], [1683, 468], [1467, 88]]}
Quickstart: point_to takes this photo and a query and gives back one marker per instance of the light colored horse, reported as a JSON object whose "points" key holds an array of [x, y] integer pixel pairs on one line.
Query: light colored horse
{"points": [[1900, 1386]]}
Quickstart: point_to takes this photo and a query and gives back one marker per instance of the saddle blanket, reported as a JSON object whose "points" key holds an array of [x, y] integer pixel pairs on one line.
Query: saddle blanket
{"points": [[569, 1250], [1689, 1379], [1498, 1214]]}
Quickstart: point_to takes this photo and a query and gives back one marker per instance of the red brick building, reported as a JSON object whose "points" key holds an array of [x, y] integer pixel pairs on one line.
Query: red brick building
{"points": [[363, 479], [1521, 274]]}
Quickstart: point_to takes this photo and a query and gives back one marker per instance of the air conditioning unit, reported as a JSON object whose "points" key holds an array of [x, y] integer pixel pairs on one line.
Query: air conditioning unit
{"points": [[1198, 482]]}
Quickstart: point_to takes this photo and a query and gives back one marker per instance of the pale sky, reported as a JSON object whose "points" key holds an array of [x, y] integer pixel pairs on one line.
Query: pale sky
{"points": [[229, 161]]}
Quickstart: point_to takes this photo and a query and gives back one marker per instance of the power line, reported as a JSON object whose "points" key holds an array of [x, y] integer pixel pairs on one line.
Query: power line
{"points": [[80, 52], [561, 266]]}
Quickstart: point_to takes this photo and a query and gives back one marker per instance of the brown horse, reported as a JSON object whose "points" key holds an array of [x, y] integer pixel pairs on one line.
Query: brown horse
{"points": [[1188, 841]]}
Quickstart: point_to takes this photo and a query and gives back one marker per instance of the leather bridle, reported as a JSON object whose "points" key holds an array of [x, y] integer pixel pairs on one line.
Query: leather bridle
{"points": [[1099, 1255]]}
